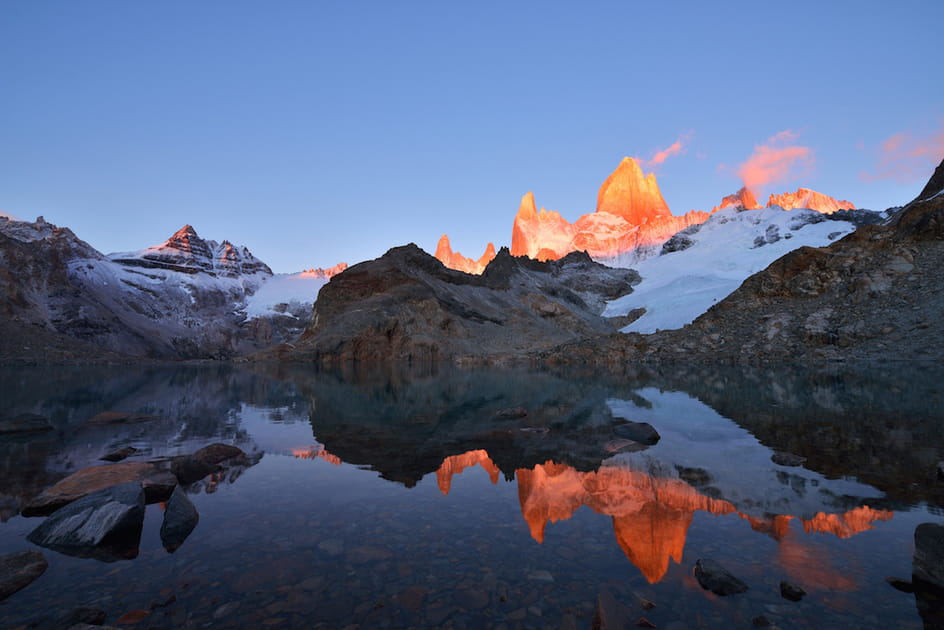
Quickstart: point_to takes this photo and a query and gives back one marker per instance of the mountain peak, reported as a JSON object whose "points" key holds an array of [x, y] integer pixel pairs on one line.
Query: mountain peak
{"points": [[455, 260], [743, 198], [806, 198], [630, 194]]}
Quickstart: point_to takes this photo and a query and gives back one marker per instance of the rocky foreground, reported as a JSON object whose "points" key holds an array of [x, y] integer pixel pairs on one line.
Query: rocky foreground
{"points": [[875, 294]]}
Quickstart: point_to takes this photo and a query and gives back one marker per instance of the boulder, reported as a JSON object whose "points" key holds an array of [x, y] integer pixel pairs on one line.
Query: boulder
{"points": [[157, 483], [209, 459], [641, 432], [19, 569], [105, 524], [715, 578], [927, 564], [791, 591], [180, 518]]}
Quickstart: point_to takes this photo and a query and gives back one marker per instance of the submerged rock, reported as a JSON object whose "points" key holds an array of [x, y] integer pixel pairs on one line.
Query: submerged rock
{"points": [[157, 484], [110, 518], [19, 569], [180, 518], [791, 591], [118, 417], [786, 459], [511, 413], [641, 432], [610, 614], [715, 578]]}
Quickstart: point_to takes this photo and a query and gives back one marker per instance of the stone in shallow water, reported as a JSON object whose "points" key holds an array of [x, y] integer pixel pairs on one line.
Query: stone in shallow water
{"points": [[791, 591], [158, 485], [927, 564], [782, 458], [105, 524], [641, 432], [180, 518], [610, 614], [715, 578], [19, 569]]}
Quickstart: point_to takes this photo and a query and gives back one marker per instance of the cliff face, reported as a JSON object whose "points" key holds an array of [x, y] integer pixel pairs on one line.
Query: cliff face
{"points": [[407, 305], [455, 260]]}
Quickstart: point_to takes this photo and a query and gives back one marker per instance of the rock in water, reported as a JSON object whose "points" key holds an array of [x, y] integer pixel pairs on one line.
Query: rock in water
{"points": [[180, 517], [157, 483], [207, 460], [120, 454], [927, 565], [110, 518], [19, 569], [791, 591], [25, 423], [715, 578], [641, 432]]}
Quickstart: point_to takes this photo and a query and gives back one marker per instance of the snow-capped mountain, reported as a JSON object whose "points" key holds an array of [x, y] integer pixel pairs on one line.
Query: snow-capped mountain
{"points": [[184, 298], [704, 263]]}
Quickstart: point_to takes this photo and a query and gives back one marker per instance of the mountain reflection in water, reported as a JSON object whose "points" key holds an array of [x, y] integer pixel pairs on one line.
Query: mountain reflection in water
{"points": [[866, 443]]}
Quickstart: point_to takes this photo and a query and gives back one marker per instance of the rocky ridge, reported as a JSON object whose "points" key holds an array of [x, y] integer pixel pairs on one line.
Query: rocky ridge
{"points": [[408, 305]]}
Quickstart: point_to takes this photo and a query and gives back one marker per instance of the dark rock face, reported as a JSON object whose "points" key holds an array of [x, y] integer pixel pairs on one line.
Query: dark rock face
{"points": [[158, 485], [104, 525], [875, 294], [641, 432], [180, 518], [19, 569], [928, 563], [715, 578], [407, 305], [791, 591]]}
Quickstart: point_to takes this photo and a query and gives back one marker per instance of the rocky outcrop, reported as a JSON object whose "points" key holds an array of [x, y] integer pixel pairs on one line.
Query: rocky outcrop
{"points": [[875, 294], [806, 198], [455, 260], [408, 305], [631, 216], [105, 524], [743, 199]]}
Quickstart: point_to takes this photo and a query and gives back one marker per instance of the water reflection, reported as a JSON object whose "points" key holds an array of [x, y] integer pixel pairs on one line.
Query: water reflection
{"points": [[867, 445]]}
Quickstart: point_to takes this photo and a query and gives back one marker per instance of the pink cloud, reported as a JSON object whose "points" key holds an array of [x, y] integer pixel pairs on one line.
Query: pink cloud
{"points": [[676, 148], [906, 158], [773, 162]]}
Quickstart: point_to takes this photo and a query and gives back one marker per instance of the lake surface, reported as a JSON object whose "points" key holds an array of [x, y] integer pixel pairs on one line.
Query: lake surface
{"points": [[414, 498]]}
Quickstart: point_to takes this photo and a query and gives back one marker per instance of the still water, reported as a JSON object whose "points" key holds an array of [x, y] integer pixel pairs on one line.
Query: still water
{"points": [[434, 497]]}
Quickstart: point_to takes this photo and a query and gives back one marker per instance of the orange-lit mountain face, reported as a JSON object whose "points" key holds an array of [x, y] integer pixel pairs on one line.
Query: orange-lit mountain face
{"points": [[455, 260], [630, 214], [743, 198], [806, 198], [651, 515]]}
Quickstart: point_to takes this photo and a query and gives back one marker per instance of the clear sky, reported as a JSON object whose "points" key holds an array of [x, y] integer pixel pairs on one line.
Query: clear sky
{"points": [[316, 132]]}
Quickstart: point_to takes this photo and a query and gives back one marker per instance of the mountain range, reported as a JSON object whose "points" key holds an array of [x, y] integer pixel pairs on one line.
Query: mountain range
{"points": [[631, 222], [824, 282]]}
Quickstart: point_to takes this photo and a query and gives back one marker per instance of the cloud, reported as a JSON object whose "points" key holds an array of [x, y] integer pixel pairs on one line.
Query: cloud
{"points": [[676, 148], [906, 158], [775, 161]]}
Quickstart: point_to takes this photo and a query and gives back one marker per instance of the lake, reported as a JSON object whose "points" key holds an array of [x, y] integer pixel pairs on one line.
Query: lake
{"points": [[429, 496]]}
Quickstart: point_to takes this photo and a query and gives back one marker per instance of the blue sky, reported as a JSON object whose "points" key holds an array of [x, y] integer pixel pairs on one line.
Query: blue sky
{"points": [[316, 132]]}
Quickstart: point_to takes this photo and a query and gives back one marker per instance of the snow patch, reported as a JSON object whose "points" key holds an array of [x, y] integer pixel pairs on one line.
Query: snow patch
{"points": [[284, 288], [730, 246]]}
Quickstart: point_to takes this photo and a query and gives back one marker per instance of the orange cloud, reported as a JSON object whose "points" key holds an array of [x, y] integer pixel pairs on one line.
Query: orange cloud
{"points": [[676, 148], [773, 162], [905, 158]]}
